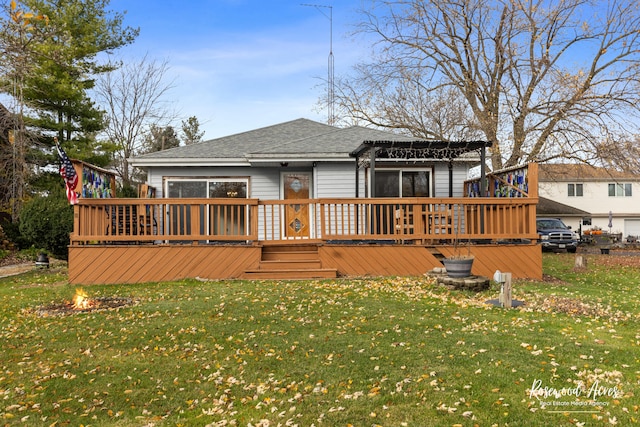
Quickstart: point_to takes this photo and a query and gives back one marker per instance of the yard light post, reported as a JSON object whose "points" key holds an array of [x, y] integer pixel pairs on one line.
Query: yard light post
{"points": [[505, 298]]}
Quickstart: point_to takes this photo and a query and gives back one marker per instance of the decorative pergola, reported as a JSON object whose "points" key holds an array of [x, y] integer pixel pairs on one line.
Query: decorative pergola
{"points": [[369, 151]]}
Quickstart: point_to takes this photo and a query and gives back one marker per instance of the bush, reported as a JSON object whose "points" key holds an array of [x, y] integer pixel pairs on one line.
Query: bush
{"points": [[3, 239], [46, 222], [12, 235], [126, 191]]}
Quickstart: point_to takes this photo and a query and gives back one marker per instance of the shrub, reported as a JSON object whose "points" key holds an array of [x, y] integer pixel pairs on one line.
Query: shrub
{"points": [[46, 222], [126, 191], [3, 239], [12, 236]]}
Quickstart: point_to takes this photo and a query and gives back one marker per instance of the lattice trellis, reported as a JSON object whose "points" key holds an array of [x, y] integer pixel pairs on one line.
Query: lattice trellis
{"points": [[416, 150]]}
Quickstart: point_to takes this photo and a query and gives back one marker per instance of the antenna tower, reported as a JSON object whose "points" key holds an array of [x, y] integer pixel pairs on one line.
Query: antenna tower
{"points": [[330, 66]]}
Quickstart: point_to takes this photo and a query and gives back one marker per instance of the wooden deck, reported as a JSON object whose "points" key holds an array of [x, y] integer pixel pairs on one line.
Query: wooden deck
{"points": [[146, 240]]}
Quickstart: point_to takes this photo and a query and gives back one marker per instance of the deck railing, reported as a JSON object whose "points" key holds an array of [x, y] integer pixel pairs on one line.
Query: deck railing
{"points": [[101, 221]]}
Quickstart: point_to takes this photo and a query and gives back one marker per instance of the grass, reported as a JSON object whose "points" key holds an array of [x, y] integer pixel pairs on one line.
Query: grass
{"points": [[389, 352]]}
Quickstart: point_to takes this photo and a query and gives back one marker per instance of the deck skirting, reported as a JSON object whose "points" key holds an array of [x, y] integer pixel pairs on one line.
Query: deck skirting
{"points": [[104, 264]]}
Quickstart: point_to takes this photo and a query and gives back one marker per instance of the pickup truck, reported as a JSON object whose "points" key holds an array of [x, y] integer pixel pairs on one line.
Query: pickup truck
{"points": [[555, 235]]}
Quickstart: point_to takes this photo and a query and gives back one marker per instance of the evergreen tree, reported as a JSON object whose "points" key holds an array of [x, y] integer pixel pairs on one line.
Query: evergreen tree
{"points": [[67, 63], [191, 133], [160, 138], [48, 64]]}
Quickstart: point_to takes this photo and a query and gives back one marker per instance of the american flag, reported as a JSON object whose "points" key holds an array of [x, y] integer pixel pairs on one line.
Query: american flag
{"points": [[69, 175]]}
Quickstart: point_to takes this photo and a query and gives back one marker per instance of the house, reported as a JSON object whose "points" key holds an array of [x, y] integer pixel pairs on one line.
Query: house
{"points": [[264, 163], [599, 192], [303, 199]]}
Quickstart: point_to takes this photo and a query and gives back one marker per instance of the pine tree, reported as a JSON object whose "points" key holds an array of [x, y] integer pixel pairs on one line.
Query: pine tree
{"points": [[191, 133], [49, 59]]}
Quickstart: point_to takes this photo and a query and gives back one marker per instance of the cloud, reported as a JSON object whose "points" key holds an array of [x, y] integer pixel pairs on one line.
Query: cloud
{"points": [[237, 70]]}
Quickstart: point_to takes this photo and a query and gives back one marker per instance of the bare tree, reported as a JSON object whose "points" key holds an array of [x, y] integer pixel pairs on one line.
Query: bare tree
{"points": [[133, 98], [541, 79], [620, 154], [407, 107]]}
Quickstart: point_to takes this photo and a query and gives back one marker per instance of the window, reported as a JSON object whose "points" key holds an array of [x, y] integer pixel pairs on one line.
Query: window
{"points": [[214, 188], [574, 190], [402, 183], [620, 190], [415, 184], [217, 219], [186, 189], [387, 183]]}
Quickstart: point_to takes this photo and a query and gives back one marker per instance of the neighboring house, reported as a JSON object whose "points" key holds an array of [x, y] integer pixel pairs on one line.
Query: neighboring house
{"points": [[599, 192]]}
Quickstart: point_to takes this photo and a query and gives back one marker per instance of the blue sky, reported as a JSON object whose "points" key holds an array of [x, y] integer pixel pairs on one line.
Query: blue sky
{"points": [[242, 64]]}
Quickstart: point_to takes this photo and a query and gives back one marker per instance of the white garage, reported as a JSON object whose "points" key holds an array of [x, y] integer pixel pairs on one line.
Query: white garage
{"points": [[631, 227]]}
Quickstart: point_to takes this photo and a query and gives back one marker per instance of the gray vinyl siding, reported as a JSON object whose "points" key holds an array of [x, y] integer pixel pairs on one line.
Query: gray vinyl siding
{"points": [[441, 179], [337, 180]]}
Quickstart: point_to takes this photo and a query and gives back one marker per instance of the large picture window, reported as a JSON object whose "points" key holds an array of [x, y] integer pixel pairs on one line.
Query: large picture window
{"points": [[210, 187], [186, 189], [215, 219]]}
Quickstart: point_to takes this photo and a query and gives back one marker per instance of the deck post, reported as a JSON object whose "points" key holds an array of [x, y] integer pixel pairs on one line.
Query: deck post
{"points": [[76, 221], [450, 178], [372, 172], [357, 177], [483, 184], [253, 222]]}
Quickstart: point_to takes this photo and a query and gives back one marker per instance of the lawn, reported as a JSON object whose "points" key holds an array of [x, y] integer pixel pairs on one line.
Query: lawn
{"points": [[360, 352]]}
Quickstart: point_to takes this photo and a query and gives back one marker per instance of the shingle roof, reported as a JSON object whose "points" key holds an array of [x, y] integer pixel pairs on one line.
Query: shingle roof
{"points": [[238, 145], [580, 172], [548, 207], [338, 141], [301, 138]]}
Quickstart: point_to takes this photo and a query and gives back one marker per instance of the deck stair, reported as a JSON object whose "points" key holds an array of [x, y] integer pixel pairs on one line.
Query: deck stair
{"points": [[299, 261], [436, 253]]}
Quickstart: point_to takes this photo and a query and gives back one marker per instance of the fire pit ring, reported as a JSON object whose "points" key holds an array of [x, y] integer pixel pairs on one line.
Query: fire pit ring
{"points": [[96, 304]]}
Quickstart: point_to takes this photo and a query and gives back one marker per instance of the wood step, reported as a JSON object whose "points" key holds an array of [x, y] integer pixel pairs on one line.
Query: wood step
{"points": [[295, 264], [289, 255], [300, 261], [436, 253], [291, 274], [289, 248]]}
